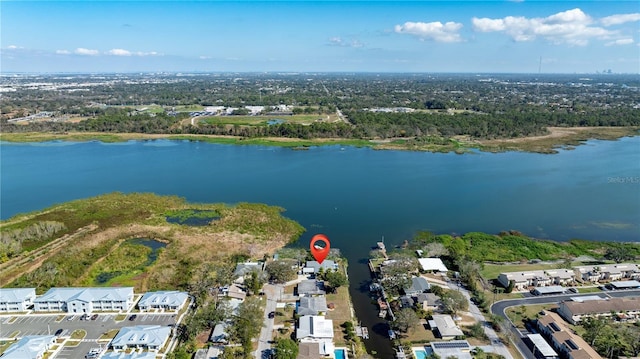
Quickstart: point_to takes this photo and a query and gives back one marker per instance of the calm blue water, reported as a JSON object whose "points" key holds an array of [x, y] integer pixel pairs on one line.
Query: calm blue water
{"points": [[421, 354], [354, 195]]}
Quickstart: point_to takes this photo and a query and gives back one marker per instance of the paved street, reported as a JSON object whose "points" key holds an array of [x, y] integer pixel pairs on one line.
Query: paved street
{"points": [[273, 292], [498, 308]]}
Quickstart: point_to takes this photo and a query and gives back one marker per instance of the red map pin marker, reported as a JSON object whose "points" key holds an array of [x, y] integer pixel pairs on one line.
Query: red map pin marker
{"points": [[319, 253]]}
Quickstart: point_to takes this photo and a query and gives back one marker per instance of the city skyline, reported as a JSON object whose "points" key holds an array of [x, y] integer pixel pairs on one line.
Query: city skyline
{"points": [[321, 36]]}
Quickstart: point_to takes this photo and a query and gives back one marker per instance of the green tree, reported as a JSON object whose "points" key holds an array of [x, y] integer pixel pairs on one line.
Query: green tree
{"points": [[454, 301], [286, 349], [406, 318], [253, 283], [335, 279], [246, 324], [280, 271]]}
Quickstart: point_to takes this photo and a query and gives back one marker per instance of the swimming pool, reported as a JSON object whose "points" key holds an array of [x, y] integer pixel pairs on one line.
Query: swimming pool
{"points": [[339, 354], [420, 354]]}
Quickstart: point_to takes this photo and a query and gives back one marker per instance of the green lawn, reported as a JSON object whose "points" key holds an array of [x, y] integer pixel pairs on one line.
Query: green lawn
{"points": [[491, 271]]}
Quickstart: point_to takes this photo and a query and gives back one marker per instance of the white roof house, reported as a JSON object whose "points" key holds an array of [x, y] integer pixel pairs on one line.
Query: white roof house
{"points": [[84, 300], [133, 355], [314, 266], [314, 327], [541, 345], [445, 326], [432, 264], [16, 299], [169, 300], [29, 347], [151, 337]]}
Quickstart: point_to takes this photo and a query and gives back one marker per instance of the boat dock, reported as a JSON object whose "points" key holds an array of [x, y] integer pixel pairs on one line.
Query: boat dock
{"points": [[362, 332]]}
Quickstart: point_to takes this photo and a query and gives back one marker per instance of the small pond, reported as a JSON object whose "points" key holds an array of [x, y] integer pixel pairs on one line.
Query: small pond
{"points": [[192, 217]]}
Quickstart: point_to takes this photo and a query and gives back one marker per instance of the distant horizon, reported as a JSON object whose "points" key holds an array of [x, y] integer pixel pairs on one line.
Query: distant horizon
{"points": [[424, 36]]}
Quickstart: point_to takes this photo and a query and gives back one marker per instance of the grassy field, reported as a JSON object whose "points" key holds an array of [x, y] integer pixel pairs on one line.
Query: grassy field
{"points": [[340, 314], [189, 108], [94, 243], [491, 271]]}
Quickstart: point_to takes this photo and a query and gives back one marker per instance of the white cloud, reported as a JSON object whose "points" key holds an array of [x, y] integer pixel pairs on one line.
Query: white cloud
{"points": [[618, 42], [118, 52], [437, 31], [620, 19], [63, 52], [83, 51], [13, 47], [572, 27]]}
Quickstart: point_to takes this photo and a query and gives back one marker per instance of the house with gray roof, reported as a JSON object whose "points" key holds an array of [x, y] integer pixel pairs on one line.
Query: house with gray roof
{"points": [[16, 299], [84, 300], [243, 269], [444, 327], [147, 337], [219, 333], [165, 300], [312, 305], [314, 267], [418, 285], [311, 287], [30, 347]]}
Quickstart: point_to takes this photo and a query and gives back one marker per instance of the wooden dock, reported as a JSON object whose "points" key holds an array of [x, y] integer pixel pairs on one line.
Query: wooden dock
{"points": [[362, 332]]}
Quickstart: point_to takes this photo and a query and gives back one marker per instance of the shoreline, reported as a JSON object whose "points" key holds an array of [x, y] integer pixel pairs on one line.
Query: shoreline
{"points": [[557, 138]]}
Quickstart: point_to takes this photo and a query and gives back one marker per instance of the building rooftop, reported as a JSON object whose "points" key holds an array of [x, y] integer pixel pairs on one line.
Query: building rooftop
{"points": [[418, 285], [542, 346], [15, 295], [603, 306], [432, 264], [445, 325], [314, 326], [311, 287], [29, 347], [86, 294], [145, 335], [312, 305], [164, 298]]}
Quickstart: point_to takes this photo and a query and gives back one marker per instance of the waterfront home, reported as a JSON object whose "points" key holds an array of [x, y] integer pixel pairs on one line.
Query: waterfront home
{"points": [[146, 337], [432, 265], [428, 301], [30, 347], [316, 329], [165, 300], [313, 267], [84, 300], [418, 285], [312, 305], [244, 269], [16, 299]]}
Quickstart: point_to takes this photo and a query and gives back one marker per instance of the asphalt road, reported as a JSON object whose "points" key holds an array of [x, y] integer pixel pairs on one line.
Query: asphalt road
{"points": [[498, 308], [273, 292], [39, 324]]}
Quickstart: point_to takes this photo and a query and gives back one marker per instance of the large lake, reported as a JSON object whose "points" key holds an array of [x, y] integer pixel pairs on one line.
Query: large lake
{"points": [[354, 195]]}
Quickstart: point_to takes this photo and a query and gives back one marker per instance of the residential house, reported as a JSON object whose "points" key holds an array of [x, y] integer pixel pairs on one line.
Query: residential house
{"points": [[428, 301], [308, 351], [244, 269], [459, 349], [562, 339], [16, 299], [418, 285], [312, 306], [146, 337], [311, 287], [165, 300], [30, 347], [312, 267], [444, 327], [219, 334], [432, 265], [84, 300], [625, 309], [316, 329]]}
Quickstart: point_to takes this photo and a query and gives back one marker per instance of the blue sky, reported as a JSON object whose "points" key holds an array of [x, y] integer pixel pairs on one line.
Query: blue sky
{"points": [[320, 36]]}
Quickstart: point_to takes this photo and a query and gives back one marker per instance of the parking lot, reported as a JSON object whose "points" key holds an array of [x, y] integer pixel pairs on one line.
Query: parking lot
{"points": [[12, 326]]}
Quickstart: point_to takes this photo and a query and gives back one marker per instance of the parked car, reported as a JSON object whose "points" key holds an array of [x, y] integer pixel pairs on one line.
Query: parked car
{"points": [[272, 315], [58, 332], [133, 317], [94, 317], [72, 317]]}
